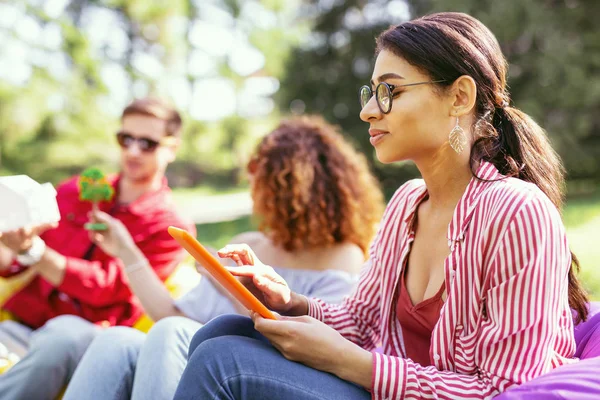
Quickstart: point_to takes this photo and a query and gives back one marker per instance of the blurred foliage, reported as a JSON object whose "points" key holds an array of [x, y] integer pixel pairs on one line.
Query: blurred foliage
{"points": [[56, 121], [552, 47], [62, 116]]}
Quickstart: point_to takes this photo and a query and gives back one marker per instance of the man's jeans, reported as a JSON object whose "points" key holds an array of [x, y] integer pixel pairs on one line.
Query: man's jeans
{"points": [[123, 363], [49, 356]]}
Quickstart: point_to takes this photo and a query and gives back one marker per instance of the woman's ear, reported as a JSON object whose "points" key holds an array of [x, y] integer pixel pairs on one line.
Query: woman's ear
{"points": [[463, 96]]}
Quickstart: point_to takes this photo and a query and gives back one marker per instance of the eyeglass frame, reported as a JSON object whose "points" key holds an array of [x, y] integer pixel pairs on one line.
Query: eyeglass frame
{"points": [[390, 89], [154, 144]]}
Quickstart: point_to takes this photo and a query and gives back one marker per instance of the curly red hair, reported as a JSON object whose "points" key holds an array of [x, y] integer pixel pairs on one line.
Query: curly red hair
{"points": [[312, 189]]}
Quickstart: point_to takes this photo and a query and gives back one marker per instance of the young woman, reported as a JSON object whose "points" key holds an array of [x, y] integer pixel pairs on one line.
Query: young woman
{"points": [[469, 280], [318, 205]]}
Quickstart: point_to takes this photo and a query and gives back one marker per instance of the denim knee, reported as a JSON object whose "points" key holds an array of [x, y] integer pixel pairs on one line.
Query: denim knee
{"points": [[12, 325], [223, 325], [170, 327], [63, 339], [121, 339], [215, 355], [71, 326]]}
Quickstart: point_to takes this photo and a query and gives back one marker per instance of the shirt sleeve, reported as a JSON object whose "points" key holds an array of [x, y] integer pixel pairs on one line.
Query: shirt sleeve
{"points": [[101, 283], [12, 270], [526, 296], [358, 317]]}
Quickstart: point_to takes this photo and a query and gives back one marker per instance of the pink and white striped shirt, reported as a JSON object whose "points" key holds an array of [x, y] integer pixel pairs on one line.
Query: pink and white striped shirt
{"points": [[506, 319]]}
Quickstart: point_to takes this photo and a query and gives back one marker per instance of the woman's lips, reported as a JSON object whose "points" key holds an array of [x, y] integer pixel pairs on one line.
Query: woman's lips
{"points": [[377, 135]]}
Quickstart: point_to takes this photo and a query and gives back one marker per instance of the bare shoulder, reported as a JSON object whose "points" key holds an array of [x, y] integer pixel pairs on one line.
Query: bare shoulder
{"points": [[252, 238], [347, 257]]}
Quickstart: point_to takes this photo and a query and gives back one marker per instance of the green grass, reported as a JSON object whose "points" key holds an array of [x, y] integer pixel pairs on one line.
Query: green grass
{"points": [[582, 219], [581, 216], [581, 210]]}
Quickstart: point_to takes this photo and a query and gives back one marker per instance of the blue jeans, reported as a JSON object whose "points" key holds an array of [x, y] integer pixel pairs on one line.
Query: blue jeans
{"points": [[229, 359], [52, 354], [124, 363]]}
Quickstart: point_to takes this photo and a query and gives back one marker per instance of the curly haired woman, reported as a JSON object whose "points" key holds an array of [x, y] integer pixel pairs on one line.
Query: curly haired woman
{"points": [[318, 207]]}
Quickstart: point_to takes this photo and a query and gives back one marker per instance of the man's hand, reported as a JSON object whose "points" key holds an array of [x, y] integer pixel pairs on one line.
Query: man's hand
{"points": [[20, 240], [6, 257]]}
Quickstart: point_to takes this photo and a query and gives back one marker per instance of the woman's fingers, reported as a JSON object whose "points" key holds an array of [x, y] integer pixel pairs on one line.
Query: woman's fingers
{"points": [[237, 260], [235, 256], [260, 275], [243, 251], [281, 327], [243, 270]]}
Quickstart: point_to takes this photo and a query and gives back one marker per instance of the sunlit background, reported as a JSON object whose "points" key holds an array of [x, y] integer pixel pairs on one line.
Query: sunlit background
{"points": [[235, 67]]}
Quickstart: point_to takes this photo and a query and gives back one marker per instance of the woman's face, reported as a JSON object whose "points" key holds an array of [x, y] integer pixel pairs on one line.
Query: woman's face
{"points": [[419, 122]]}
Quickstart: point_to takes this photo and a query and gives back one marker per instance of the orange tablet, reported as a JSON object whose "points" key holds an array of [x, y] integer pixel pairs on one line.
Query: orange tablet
{"points": [[224, 277]]}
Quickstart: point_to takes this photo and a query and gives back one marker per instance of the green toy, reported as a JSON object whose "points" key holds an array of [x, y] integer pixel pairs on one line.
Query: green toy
{"points": [[94, 187]]}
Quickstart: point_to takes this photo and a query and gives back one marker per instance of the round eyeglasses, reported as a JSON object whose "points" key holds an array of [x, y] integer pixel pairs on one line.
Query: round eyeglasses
{"points": [[384, 94]]}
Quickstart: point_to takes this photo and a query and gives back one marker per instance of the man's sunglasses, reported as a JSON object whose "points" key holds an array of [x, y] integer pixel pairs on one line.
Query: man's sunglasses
{"points": [[146, 145]]}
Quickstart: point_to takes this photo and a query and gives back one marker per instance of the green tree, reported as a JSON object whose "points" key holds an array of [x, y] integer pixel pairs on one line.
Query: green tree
{"points": [[60, 103], [551, 46]]}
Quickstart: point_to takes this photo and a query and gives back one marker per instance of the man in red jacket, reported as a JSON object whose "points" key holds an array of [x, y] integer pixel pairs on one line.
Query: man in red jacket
{"points": [[79, 287]]}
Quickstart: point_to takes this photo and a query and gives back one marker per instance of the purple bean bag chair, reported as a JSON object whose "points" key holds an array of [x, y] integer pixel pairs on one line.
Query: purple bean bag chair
{"points": [[574, 381]]}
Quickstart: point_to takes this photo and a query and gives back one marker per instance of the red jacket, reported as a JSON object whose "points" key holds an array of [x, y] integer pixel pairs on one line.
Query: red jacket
{"points": [[95, 285]]}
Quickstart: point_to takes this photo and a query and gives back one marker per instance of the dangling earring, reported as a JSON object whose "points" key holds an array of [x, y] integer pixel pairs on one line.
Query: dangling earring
{"points": [[457, 138]]}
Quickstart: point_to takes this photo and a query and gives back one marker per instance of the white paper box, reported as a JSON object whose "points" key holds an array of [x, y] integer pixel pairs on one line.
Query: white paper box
{"points": [[24, 202]]}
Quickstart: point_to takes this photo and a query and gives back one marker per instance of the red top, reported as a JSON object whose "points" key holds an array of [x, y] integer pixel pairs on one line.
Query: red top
{"points": [[95, 285], [417, 322], [506, 318]]}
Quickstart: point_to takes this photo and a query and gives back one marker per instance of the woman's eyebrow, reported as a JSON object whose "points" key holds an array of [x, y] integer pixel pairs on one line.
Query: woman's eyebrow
{"points": [[388, 75]]}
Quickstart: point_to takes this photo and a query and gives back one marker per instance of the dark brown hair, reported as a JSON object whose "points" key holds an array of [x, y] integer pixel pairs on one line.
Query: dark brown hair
{"points": [[449, 45], [153, 107], [312, 189]]}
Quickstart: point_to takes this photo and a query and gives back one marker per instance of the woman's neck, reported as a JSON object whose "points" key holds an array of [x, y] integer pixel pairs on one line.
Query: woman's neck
{"points": [[446, 179]]}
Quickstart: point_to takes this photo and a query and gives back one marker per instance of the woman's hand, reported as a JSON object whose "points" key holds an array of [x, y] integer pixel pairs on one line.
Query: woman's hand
{"points": [[116, 240], [315, 344], [260, 279]]}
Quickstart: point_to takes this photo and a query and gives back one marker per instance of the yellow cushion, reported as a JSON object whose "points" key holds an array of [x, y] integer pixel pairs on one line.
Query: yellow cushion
{"points": [[9, 286]]}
